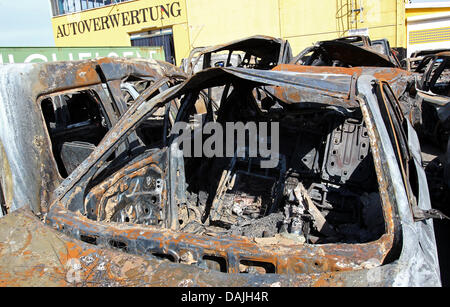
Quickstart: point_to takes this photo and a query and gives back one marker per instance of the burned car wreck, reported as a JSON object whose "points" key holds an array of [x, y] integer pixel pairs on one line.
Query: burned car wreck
{"points": [[345, 197], [52, 115], [433, 93], [259, 52], [351, 51], [362, 54]]}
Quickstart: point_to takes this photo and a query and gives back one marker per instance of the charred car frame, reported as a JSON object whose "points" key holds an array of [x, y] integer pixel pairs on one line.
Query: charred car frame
{"points": [[56, 121], [352, 180]]}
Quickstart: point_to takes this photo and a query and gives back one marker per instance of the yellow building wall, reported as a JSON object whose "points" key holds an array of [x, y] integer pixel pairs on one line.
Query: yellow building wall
{"points": [[209, 22], [306, 22], [214, 22], [425, 11], [181, 41]]}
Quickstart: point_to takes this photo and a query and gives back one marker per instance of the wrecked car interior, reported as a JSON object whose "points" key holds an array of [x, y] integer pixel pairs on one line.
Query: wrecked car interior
{"points": [[330, 152], [320, 176], [76, 127], [324, 192], [331, 158]]}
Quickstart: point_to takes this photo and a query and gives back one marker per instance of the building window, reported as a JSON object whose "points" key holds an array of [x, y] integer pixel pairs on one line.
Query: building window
{"points": [[159, 38], [61, 7]]}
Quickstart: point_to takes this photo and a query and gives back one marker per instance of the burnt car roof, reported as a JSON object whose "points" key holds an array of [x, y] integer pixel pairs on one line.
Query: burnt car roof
{"points": [[259, 45], [355, 55], [396, 77], [58, 76], [345, 51], [270, 48], [323, 84]]}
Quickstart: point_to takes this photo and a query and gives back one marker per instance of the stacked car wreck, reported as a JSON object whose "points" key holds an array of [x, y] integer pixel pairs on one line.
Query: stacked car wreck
{"points": [[345, 203], [431, 70]]}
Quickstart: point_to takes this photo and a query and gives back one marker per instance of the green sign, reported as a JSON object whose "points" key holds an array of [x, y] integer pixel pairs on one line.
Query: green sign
{"points": [[9, 55]]}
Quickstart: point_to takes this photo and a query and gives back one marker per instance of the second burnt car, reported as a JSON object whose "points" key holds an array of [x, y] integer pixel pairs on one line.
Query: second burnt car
{"points": [[350, 51], [254, 52], [346, 198], [259, 52]]}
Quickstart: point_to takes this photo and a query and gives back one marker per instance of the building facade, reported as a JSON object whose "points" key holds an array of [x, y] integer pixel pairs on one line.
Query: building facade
{"points": [[181, 25], [428, 26]]}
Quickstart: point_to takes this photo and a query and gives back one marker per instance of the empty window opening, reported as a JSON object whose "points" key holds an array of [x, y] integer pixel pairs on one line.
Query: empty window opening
{"points": [[119, 245], [76, 124], [249, 266], [215, 263], [88, 239], [164, 256]]}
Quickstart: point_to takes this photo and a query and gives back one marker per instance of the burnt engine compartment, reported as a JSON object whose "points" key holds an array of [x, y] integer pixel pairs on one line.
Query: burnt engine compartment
{"points": [[323, 190]]}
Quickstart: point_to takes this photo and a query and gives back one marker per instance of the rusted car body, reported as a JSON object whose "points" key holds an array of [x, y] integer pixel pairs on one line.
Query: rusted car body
{"points": [[400, 81], [355, 162], [349, 51], [52, 115], [260, 52]]}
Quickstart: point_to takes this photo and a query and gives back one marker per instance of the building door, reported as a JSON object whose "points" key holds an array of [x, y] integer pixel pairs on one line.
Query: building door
{"points": [[159, 38]]}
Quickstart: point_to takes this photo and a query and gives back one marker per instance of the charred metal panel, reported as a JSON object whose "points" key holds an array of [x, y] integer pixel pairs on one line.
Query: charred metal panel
{"points": [[73, 153], [33, 254], [348, 148]]}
